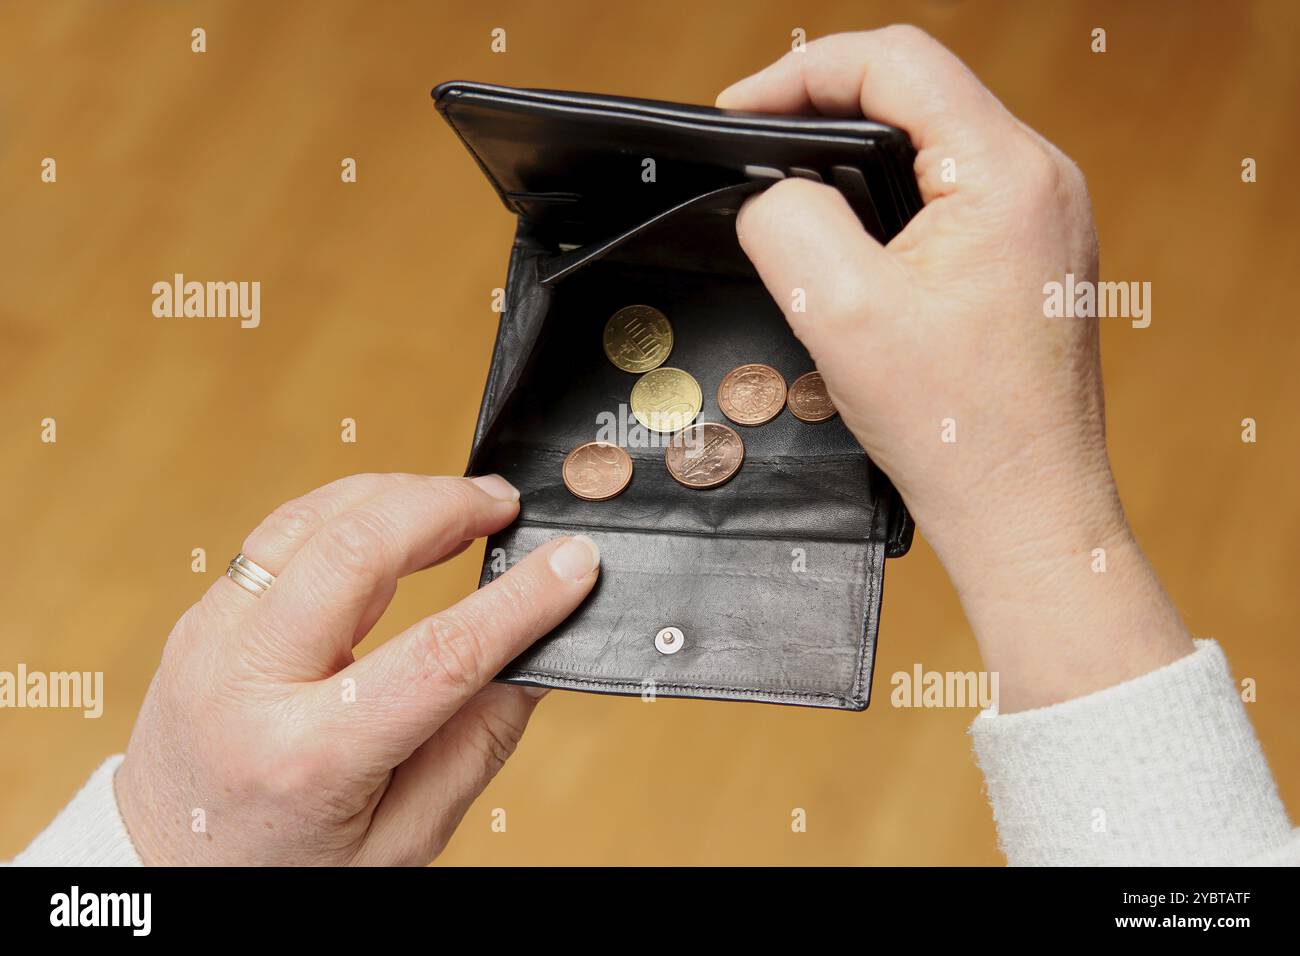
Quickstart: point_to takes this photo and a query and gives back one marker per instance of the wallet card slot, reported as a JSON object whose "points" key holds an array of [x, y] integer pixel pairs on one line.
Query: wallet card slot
{"points": [[724, 201]]}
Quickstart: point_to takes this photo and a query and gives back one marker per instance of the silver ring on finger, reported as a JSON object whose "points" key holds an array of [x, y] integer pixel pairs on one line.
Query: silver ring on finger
{"points": [[250, 575]]}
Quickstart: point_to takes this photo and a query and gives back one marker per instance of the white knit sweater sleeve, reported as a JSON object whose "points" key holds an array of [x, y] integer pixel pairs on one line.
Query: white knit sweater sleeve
{"points": [[1164, 769], [89, 831]]}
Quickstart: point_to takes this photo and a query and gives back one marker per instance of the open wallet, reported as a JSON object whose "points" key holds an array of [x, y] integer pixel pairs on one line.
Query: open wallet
{"points": [[772, 581]]}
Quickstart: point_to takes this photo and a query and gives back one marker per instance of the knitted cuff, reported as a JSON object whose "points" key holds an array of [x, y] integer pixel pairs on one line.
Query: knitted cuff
{"points": [[1163, 769], [89, 831]]}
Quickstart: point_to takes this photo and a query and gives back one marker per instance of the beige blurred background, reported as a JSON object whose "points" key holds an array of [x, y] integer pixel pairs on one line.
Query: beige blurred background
{"points": [[181, 433]]}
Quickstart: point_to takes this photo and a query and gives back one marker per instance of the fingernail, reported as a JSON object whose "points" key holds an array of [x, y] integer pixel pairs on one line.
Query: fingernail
{"points": [[536, 693], [497, 487], [576, 558], [731, 93], [720, 101], [728, 95]]}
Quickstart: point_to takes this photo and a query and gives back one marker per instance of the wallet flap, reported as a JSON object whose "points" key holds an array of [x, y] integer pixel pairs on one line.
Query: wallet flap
{"points": [[575, 162], [747, 625]]}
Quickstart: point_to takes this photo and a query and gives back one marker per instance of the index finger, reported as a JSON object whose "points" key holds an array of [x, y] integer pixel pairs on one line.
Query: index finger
{"points": [[406, 689], [321, 604]]}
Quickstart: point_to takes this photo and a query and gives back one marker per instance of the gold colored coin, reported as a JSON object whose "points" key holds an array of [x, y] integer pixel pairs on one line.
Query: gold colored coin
{"points": [[752, 394], [809, 400], [704, 455], [666, 399], [638, 338], [597, 471]]}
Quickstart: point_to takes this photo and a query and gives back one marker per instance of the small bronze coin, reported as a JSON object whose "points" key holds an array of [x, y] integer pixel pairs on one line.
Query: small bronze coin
{"points": [[752, 394], [638, 338], [597, 471], [808, 399], [704, 455]]}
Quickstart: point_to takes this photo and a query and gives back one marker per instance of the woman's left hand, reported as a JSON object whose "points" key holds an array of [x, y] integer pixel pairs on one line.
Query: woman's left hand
{"points": [[262, 741]]}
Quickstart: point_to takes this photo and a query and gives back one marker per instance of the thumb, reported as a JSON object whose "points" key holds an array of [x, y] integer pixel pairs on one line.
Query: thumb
{"points": [[823, 269]]}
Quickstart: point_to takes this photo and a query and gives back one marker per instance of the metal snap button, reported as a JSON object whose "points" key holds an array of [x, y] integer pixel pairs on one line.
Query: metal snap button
{"points": [[669, 640]]}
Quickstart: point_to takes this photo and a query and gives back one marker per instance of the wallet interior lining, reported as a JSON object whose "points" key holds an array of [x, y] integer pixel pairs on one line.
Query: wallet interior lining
{"points": [[798, 477]]}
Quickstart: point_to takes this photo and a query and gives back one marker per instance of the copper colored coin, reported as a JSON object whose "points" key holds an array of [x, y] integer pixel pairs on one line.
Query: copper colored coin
{"points": [[704, 455], [752, 394], [597, 471], [808, 399]]}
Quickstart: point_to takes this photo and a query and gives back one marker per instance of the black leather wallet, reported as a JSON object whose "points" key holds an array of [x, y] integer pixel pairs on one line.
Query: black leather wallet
{"points": [[773, 579]]}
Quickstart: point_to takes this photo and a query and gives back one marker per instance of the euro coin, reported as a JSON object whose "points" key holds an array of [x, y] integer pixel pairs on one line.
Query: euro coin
{"points": [[597, 471], [809, 400], [752, 394], [638, 338], [666, 399], [704, 455]]}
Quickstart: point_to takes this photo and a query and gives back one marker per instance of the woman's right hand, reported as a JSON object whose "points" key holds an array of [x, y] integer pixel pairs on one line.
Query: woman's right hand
{"points": [[987, 416]]}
